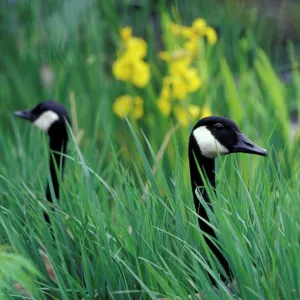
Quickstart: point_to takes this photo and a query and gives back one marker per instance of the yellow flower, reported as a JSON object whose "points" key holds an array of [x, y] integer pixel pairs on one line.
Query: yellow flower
{"points": [[122, 68], [140, 73], [181, 115], [187, 32], [126, 105], [192, 112], [191, 46], [179, 88], [136, 48], [126, 33], [175, 29], [211, 35], [179, 66], [166, 89], [192, 79], [131, 70], [138, 107], [164, 104], [199, 26], [122, 106], [205, 112]]}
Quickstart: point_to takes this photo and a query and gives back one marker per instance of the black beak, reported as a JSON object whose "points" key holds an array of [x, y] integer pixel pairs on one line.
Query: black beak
{"points": [[24, 114], [246, 146]]}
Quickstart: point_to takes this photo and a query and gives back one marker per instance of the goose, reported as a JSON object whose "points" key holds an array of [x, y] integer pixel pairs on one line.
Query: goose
{"points": [[210, 137], [52, 118]]}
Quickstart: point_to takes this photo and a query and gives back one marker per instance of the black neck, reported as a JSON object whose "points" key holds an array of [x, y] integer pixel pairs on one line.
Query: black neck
{"points": [[58, 147], [207, 166]]}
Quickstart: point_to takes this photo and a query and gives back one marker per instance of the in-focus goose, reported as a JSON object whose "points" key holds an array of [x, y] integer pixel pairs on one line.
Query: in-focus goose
{"points": [[52, 118], [210, 137]]}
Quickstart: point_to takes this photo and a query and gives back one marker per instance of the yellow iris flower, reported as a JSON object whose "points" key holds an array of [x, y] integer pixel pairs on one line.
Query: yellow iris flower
{"points": [[126, 33], [130, 65], [164, 105], [122, 68], [193, 112], [179, 87], [191, 46], [193, 80], [211, 35], [187, 32], [136, 48], [127, 106], [179, 66], [175, 29], [199, 26], [140, 73]]}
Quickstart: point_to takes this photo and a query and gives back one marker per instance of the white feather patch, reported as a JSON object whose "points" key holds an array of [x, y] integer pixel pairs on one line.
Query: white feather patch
{"points": [[207, 143], [45, 120]]}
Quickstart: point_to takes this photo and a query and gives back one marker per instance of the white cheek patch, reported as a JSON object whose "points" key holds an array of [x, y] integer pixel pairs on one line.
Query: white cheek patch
{"points": [[207, 143], [45, 120]]}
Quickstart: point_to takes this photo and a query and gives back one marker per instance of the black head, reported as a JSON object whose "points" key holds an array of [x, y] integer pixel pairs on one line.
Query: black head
{"points": [[219, 135], [46, 115]]}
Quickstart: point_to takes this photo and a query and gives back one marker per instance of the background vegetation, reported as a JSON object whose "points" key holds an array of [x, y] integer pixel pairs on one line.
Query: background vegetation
{"points": [[125, 226]]}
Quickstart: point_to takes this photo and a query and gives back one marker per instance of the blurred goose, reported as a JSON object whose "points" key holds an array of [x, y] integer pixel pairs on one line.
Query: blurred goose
{"points": [[52, 118]]}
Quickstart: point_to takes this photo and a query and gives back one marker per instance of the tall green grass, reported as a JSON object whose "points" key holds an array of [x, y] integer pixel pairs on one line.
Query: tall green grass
{"points": [[130, 243], [125, 227]]}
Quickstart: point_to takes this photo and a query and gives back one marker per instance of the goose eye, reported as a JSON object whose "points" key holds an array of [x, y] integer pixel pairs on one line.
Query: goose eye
{"points": [[218, 126]]}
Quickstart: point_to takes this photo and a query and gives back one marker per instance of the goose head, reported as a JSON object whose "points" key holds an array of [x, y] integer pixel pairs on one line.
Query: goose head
{"points": [[49, 116], [215, 136]]}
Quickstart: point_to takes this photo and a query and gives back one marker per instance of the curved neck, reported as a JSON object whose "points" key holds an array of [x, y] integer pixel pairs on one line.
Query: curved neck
{"points": [[58, 147], [207, 166]]}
